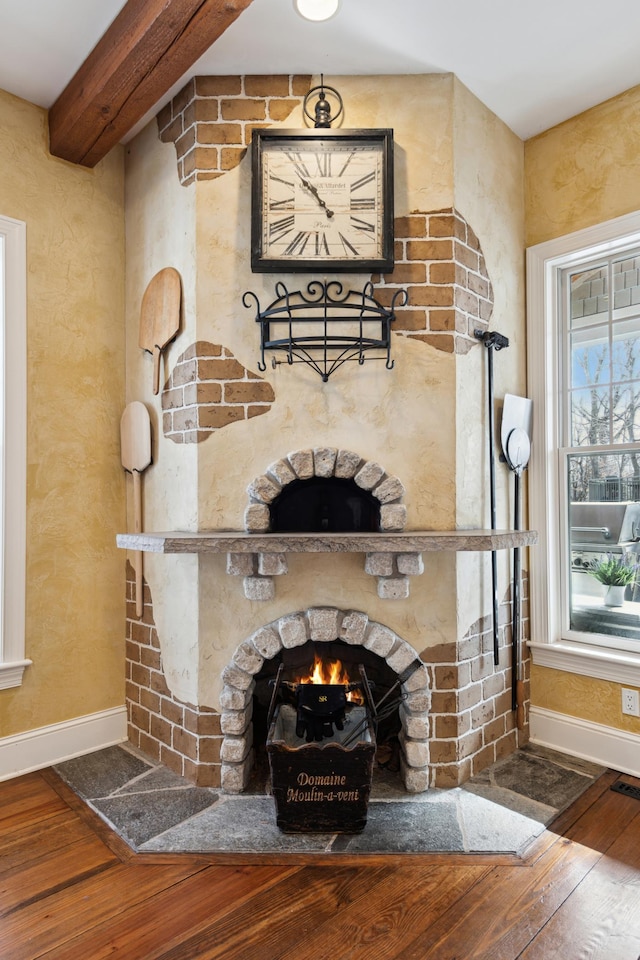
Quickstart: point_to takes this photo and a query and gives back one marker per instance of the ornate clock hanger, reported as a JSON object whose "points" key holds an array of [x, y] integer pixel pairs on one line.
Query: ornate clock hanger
{"points": [[322, 111]]}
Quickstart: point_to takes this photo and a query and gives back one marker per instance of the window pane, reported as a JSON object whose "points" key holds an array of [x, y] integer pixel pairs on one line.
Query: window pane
{"points": [[589, 293], [625, 356], [626, 414], [626, 286], [599, 476], [590, 420], [604, 527], [590, 359]]}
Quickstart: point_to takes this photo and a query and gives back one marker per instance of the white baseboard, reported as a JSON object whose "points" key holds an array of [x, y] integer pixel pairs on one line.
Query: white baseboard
{"points": [[45, 746], [607, 746]]}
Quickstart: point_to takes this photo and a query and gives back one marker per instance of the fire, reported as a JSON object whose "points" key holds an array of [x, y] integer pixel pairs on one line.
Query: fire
{"points": [[326, 671], [331, 672]]}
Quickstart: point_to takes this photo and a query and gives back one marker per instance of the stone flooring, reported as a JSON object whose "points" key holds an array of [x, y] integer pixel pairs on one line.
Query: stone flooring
{"points": [[501, 811]]}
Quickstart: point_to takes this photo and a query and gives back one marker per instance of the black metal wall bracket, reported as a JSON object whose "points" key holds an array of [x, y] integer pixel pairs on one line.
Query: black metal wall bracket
{"points": [[325, 326]]}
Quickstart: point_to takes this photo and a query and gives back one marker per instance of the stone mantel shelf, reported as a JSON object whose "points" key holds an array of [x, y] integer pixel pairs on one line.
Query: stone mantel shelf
{"points": [[412, 541]]}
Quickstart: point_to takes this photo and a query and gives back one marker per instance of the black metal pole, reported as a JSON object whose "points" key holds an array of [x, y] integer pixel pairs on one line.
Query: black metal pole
{"points": [[515, 613], [492, 341]]}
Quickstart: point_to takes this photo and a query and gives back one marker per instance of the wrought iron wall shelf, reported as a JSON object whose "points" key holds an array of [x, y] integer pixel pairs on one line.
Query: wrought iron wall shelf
{"points": [[325, 326]]}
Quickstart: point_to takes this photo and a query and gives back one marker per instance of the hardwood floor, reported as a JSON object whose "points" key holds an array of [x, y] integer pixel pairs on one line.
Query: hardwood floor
{"points": [[71, 890]]}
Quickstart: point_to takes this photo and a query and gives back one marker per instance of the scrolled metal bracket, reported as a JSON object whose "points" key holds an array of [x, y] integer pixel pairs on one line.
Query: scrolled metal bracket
{"points": [[325, 326]]}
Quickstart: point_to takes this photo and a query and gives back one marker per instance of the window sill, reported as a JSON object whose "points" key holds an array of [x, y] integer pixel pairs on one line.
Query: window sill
{"points": [[11, 673], [620, 666]]}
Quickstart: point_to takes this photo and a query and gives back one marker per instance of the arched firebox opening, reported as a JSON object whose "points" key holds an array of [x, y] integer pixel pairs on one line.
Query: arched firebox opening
{"points": [[392, 665], [324, 505], [325, 489]]}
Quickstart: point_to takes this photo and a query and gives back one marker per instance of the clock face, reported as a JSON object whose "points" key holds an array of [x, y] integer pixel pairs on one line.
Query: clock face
{"points": [[322, 200]]}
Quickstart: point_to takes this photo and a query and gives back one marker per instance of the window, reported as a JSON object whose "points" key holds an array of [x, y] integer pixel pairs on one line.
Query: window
{"points": [[583, 332], [13, 430]]}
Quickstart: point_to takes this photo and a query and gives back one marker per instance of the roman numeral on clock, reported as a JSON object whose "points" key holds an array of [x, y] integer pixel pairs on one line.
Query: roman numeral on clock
{"points": [[363, 203], [323, 162], [346, 163], [363, 225], [279, 228], [299, 164], [348, 247], [287, 204], [363, 181], [322, 247], [287, 183], [298, 244]]}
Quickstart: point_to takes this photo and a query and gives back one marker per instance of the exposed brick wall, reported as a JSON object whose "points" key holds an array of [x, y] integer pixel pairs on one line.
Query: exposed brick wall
{"points": [[208, 389], [212, 119], [183, 737], [439, 261], [472, 723]]}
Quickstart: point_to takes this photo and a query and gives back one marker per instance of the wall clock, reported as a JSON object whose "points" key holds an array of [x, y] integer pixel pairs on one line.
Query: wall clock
{"points": [[322, 200]]}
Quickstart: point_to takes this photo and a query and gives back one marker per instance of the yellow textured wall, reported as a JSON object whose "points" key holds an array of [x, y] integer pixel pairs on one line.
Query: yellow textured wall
{"points": [[597, 701], [584, 171], [75, 484], [580, 173]]}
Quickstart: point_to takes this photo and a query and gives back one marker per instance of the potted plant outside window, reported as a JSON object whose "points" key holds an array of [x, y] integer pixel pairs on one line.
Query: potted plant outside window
{"points": [[616, 573]]}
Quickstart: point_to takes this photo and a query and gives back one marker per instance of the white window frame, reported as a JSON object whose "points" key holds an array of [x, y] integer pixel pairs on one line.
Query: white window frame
{"points": [[545, 263], [13, 449]]}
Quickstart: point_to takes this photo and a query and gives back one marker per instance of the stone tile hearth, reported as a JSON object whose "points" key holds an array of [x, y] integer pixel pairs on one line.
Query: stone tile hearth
{"points": [[501, 811]]}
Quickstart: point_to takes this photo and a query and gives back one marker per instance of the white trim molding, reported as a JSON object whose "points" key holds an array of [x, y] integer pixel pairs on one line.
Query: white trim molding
{"points": [[618, 666], [45, 746], [616, 749], [13, 483], [549, 647]]}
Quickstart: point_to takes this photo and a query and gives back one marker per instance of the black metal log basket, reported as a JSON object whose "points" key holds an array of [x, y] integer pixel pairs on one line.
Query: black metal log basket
{"points": [[321, 751]]}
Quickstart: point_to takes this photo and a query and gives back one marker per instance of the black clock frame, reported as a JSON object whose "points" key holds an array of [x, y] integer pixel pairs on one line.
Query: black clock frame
{"points": [[261, 264]]}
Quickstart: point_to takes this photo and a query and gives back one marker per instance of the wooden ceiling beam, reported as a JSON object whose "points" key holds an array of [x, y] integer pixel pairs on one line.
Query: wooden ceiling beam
{"points": [[147, 48]]}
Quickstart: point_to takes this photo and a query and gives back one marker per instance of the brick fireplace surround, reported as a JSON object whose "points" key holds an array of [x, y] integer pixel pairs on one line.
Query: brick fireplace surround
{"points": [[469, 724]]}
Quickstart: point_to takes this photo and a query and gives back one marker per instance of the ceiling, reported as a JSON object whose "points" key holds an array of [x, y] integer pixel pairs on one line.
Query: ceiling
{"points": [[533, 62]]}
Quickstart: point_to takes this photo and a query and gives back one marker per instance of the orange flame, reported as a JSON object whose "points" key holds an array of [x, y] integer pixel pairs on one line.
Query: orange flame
{"points": [[326, 671], [331, 671]]}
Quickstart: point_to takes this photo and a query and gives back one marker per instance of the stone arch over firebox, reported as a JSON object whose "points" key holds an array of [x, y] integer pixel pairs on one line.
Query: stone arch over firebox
{"points": [[392, 570], [326, 462], [322, 624]]}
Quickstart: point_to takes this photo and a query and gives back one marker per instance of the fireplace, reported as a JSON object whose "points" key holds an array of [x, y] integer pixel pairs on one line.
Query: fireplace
{"points": [[455, 717]]}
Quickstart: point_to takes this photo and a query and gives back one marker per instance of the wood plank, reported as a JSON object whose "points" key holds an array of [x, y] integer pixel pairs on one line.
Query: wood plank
{"points": [[601, 918], [26, 800], [43, 839], [50, 922], [172, 915], [378, 924], [286, 915], [47, 874], [602, 824], [149, 46], [499, 917]]}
